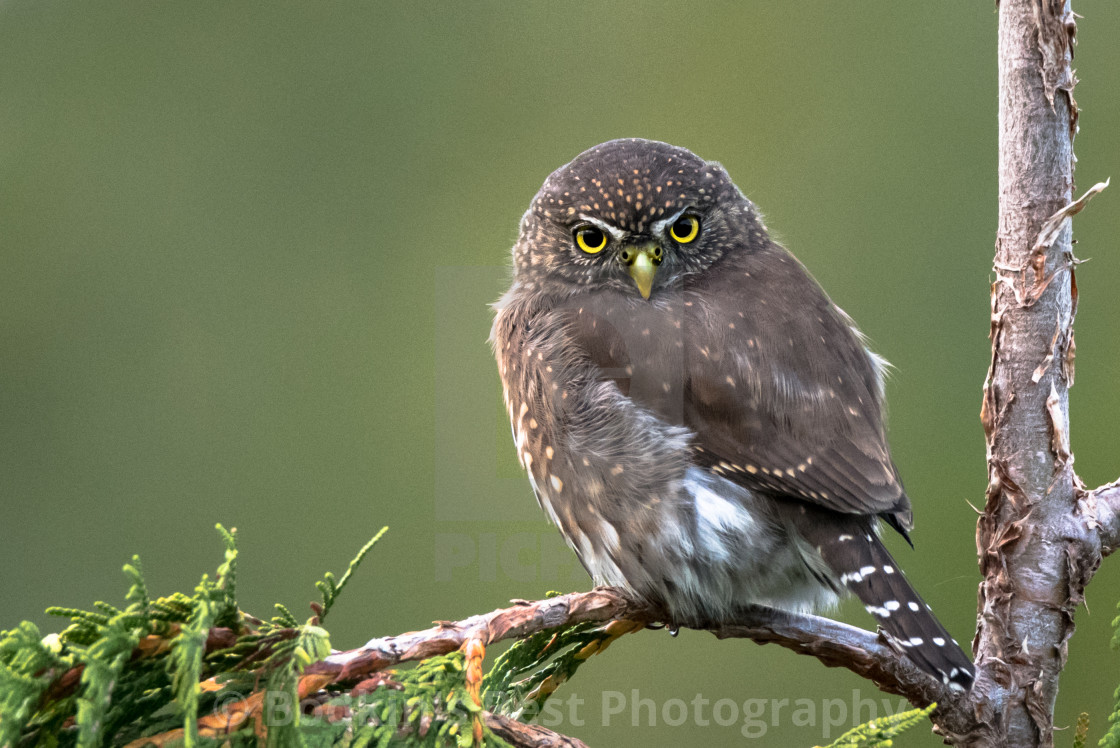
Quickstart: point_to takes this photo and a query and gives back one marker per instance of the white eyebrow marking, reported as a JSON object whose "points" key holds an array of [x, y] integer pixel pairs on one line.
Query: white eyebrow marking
{"points": [[616, 233], [658, 227]]}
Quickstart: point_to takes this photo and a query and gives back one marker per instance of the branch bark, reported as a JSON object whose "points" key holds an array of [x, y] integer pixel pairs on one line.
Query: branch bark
{"points": [[872, 656], [529, 736], [1101, 511], [1037, 549]]}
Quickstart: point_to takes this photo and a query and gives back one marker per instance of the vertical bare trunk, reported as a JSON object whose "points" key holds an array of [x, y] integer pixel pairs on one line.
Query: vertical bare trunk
{"points": [[1028, 555]]}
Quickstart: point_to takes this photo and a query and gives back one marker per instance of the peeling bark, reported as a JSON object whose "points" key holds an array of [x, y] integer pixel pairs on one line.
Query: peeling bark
{"points": [[1099, 509], [1036, 554]]}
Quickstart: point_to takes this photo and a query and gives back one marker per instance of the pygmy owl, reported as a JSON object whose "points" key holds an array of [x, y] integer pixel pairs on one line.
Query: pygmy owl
{"points": [[697, 417]]}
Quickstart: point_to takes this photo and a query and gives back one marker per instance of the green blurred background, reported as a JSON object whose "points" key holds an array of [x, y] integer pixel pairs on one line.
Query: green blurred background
{"points": [[246, 253]]}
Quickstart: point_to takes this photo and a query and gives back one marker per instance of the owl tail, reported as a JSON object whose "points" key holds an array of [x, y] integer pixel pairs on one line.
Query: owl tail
{"points": [[864, 566]]}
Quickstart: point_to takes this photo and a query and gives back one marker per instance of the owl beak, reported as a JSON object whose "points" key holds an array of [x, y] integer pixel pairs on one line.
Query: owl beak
{"points": [[641, 263]]}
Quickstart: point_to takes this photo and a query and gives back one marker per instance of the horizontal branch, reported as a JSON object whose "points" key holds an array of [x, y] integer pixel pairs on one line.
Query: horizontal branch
{"points": [[524, 618], [512, 731], [869, 655], [528, 736]]}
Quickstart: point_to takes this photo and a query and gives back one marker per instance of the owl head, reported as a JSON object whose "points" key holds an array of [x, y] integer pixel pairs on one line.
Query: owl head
{"points": [[634, 215]]}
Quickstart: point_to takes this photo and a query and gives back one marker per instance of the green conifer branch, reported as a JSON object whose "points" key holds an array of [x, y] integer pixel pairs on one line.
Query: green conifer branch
{"points": [[185, 664], [1111, 738], [330, 590], [543, 662], [1081, 731], [103, 662], [163, 670], [880, 733], [137, 594]]}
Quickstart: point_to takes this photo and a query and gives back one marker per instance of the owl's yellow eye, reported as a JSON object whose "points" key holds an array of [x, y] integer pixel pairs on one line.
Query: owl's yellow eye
{"points": [[685, 229], [591, 239]]}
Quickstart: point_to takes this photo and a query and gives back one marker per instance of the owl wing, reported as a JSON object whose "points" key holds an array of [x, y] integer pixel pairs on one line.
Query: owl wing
{"points": [[782, 398], [785, 400]]}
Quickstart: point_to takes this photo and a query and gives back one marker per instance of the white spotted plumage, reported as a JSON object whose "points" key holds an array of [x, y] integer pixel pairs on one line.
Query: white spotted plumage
{"points": [[714, 437]]}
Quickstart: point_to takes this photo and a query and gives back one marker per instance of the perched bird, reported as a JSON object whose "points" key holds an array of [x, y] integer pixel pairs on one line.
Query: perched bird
{"points": [[697, 417]]}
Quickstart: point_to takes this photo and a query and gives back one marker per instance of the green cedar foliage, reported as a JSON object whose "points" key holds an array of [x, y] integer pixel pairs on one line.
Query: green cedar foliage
{"points": [[115, 677], [172, 670], [1081, 732], [880, 733]]}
